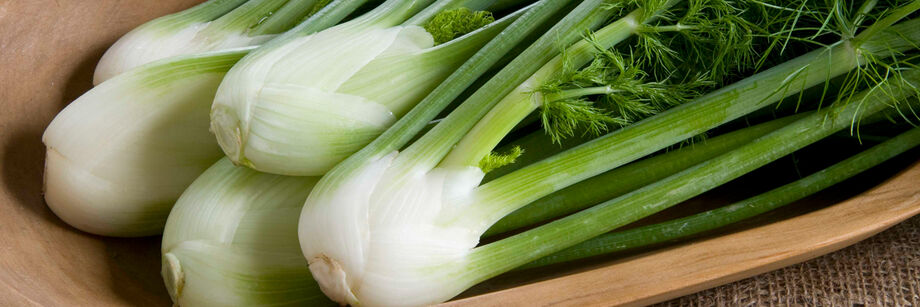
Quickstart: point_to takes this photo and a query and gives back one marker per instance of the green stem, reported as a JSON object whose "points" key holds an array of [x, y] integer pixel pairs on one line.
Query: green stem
{"points": [[330, 15], [491, 129], [578, 92], [495, 258], [713, 219], [669, 28], [503, 195], [409, 125], [285, 17], [247, 15], [388, 14], [168, 72], [885, 23], [395, 12], [207, 11], [863, 12], [632, 176]]}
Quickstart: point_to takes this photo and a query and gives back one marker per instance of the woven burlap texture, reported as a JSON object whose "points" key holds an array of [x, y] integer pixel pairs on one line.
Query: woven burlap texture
{"points": [[883, 270]]}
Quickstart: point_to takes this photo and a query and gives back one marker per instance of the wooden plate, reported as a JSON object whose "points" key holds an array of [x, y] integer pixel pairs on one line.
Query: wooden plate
{"points": [[48, 50]]}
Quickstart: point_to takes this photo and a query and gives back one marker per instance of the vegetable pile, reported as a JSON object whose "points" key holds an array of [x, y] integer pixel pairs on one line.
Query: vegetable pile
{"points": [[309, 152]]}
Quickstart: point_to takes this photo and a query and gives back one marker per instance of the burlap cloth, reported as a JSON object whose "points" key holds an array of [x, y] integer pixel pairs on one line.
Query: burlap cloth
{"points": [[883, 270]]}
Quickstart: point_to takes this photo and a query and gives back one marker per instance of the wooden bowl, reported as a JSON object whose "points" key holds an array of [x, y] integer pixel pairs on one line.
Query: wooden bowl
{"points": [[48, 50]]}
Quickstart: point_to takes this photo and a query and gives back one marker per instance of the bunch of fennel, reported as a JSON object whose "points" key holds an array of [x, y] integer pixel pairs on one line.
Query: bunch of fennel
{"points": [[399, 225]]}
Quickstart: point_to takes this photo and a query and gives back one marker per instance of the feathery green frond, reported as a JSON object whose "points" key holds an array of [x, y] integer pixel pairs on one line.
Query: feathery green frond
{"points": [[610, 90], [805, 24], [625, 84], [846, 21], [713, 35], [564, 118]]}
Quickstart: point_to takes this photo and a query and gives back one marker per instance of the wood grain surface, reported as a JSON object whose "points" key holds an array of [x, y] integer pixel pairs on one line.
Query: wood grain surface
{"points": [[48, 50]]}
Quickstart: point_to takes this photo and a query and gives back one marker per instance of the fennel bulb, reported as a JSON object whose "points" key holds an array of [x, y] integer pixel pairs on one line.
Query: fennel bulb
{"points": [[231, 240], [404, 252], [303, 103], [120, 155], [210, 26]]}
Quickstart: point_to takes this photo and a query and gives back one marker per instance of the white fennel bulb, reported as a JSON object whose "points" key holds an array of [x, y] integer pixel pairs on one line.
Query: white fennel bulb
{"points": [[120, 155], [405, 250], [300, 106], [231, 240]]}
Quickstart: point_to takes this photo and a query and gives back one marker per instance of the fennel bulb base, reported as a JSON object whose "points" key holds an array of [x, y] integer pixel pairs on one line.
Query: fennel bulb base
{"points": [[226, 128], [173, 277], [95, 205], [332, 280]]}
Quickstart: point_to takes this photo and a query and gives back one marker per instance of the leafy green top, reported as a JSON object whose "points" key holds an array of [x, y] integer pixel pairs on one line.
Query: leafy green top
{"points": [[495, 160], [450, 24]]}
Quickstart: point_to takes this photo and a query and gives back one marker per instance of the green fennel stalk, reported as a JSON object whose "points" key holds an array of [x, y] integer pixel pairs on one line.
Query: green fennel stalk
{"points": [[717, 218]]}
